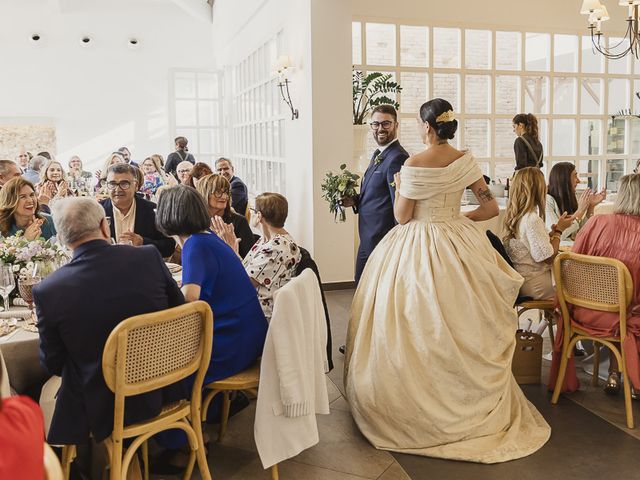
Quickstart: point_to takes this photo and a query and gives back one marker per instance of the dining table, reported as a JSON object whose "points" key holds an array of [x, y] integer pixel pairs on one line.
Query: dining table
{"points": [[20, 345], [495, 224], [20, 349]]}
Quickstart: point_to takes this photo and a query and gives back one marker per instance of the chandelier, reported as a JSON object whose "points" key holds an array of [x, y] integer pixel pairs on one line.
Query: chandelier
{"points": [[598, 13]]}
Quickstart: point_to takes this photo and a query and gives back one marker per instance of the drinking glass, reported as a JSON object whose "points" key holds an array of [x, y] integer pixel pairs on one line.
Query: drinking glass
{"points": [[7, 283]]}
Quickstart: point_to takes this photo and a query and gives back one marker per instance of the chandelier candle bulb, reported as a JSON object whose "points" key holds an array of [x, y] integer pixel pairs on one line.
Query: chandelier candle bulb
{"points": [[590, 6]]}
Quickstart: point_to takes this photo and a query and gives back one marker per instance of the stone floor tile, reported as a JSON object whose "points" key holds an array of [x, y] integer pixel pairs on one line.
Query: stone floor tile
{"points": [[394, 472], [343, 448]]}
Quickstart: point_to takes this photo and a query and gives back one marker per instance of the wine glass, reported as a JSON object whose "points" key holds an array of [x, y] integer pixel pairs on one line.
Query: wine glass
{"points": [[25, 287], [7, 283]]}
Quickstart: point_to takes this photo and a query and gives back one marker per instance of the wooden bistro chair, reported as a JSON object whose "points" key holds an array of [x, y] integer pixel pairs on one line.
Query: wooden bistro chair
{"points": [[248, 381], [148, 352], [596, 283]]}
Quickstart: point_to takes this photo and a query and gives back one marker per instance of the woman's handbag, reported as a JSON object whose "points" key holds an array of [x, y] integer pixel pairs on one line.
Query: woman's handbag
{"points": [[527, 357]]}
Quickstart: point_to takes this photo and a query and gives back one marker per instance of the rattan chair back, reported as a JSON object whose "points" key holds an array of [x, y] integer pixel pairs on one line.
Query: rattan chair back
{"points": [[601, 284], [597, 283], [150, 351]]}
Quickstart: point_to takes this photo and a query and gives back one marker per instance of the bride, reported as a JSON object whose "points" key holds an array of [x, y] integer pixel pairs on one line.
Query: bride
{"points": [[432, 328]]}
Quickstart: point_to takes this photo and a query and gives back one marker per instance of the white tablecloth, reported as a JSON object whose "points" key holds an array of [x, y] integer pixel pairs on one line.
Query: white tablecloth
{"points": [[495, 224], [20, 350]]}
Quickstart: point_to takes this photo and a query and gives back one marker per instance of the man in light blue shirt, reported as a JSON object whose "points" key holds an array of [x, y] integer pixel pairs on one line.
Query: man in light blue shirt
{"points": [[32, 173]]}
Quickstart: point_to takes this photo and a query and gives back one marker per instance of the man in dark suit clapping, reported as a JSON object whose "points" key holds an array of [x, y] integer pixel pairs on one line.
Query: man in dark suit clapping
{"points": [[374, 204], [133, 219], [80, 304]]}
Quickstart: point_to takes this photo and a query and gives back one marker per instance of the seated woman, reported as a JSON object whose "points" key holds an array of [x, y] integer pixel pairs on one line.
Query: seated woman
{"points": [[19, 211], [216, 191], [272, 261], [200, 169], [527, 242], [101, 175], [153, 177], [615, 235], [561, 198], [79, 179], [183, 171], [212, 272], [21, 438], [53, 183]]}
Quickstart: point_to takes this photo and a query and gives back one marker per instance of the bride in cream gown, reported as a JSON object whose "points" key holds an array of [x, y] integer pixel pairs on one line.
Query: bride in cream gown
{"points": [[432, 328]]}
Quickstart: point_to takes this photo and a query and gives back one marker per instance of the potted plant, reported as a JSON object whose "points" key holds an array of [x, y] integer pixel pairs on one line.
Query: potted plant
{"points": [[369, 91]]}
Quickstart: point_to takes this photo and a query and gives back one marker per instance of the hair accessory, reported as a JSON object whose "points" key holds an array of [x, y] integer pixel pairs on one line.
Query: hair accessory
{"points": [[447, 116]]}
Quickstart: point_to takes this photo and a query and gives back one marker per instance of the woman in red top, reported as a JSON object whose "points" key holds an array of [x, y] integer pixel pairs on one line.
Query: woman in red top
{"points": [[615, 236], [21, 439]]}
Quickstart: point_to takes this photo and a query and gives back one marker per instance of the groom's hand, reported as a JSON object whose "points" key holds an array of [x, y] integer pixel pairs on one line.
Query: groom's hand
{"points": [[347, 201]]}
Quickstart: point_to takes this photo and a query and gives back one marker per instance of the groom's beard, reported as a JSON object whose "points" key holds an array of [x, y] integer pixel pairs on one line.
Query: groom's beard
{"points": [[384, 137]]}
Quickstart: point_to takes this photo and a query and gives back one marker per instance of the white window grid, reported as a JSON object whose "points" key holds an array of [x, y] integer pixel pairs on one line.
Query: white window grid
{"points": [[258, 119], [205, 136], [599, 170]]}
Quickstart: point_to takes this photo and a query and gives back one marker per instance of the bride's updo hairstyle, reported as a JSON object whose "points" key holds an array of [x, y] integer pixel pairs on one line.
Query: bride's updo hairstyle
{"points": [[439, 114]]}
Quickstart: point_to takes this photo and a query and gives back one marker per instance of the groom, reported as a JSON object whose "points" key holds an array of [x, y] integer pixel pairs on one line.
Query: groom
{"points": [[374, 204]]}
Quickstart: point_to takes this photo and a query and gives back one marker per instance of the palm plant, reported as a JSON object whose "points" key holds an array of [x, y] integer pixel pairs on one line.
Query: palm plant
{"points": [[370, 91]]}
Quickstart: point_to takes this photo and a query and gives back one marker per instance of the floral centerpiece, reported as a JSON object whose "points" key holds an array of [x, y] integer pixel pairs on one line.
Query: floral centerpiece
{"points": [[23, 254], [337, 187]]}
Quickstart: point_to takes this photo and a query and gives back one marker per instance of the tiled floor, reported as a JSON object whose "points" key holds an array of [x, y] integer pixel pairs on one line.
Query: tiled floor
{"points": [[344, 454]]}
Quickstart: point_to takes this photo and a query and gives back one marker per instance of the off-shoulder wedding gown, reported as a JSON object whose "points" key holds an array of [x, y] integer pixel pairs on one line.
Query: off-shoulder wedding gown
{"points": [[432, 334]]}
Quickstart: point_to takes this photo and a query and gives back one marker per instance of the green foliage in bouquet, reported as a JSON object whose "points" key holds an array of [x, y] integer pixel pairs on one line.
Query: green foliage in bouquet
{"points": [[336, 187]]}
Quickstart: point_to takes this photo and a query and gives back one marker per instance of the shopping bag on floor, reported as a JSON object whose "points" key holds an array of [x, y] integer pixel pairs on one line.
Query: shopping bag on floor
{"points": [[527, 357]]}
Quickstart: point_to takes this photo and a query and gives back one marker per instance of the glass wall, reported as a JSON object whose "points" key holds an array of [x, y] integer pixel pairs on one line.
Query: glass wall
{"points": [[490, 75]]}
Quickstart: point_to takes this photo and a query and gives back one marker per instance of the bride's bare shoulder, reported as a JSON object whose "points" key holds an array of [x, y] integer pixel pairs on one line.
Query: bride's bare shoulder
{"points": [[422, 159], [433, 158]]}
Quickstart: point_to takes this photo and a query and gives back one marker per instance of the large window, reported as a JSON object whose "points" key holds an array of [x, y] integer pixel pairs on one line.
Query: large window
{"points": [[258, 120], [490, 75], [197, 112]]}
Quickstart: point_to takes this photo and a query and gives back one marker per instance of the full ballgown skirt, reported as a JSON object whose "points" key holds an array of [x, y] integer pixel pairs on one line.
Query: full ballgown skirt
{"points": [[432, 334]]}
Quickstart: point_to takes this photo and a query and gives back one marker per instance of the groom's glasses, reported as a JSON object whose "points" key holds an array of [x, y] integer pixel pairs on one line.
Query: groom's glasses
{"points": [[386, 124]]}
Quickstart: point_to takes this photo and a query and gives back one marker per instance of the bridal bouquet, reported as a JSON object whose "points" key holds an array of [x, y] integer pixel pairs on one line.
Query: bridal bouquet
{"points": [[23, 254], [336, 187]]}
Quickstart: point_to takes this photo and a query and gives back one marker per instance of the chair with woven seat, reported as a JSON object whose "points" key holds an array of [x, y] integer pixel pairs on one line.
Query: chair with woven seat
{"points": [[246, 380], [148, 352], [596, 283]]}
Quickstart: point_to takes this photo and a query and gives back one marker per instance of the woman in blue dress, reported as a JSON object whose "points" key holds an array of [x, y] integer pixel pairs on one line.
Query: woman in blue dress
{"points": [[212, 272]]}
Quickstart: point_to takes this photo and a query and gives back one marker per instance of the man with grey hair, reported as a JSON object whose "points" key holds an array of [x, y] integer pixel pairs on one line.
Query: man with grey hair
{"points": [[80, 304], [8, 170], [32, 173], [239, 192]]}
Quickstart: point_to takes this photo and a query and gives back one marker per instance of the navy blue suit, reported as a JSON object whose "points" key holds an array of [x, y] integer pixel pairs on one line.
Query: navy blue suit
{"points": [[239, 195], [78, 306], [375, 202], [145, 226]]}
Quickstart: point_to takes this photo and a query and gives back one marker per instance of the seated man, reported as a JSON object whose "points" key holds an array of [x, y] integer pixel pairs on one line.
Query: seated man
{"points": [[8, 170], [80, 304], [132, 218], [239, 195]]}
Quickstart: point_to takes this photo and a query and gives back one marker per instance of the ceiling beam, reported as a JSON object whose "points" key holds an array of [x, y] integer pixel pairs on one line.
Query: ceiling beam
{"points": [[200, 9]]}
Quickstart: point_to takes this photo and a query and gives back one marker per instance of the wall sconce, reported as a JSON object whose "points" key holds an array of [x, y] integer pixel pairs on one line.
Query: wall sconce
{"points": [[283, 67]]}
